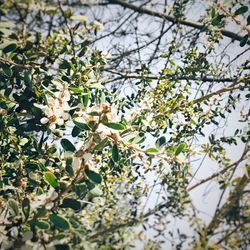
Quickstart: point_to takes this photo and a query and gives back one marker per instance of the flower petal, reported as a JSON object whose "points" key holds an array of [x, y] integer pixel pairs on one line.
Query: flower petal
{"points": [[60, 121], [66, 116], [44, 120], [52, 126]]}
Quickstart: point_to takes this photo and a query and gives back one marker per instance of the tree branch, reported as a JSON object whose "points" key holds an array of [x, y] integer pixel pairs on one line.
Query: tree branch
{"points": [[185, 22], [170, 76], [25, 66], [224, 170]]}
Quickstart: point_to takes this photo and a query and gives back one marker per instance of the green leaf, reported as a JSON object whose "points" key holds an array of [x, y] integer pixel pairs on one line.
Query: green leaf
{"points": [[116, 126], [115, 153], [101, 145], [71, 203], [138, 139], [67, 145], [241, 10], [104, 119], [248, 20], [65, 65], [244, 40], [180, 148], [213, 12], [85, 99], [76, 90], [82, 52], [42, 224], [79, 18], [9, 48], [13, 207], [51, 179], [80, 189], [59, 221], [81, 125], [152, 150], [93, 113], [68, 167], [62, 247], [76, 131], [217, 20], [26, 207], [160, 142], [93, 176], [7, 70]]}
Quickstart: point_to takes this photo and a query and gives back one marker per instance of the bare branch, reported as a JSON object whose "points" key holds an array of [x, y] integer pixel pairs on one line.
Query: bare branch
{"points": [[185, 22]]}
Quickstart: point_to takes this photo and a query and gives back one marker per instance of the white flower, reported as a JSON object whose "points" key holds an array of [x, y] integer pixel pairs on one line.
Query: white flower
{"points": [[97, 25], [105, 54], [146, 104], [105, 131], [45, 199], [57, 110], [80, 154], [180, 158]]}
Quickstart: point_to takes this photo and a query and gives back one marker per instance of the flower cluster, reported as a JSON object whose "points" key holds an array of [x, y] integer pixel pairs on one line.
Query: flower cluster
{"points": [[57, 110], [44, 199], [101, 114]]}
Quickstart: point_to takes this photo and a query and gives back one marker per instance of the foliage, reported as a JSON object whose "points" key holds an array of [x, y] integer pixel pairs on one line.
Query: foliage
{"points": [[79, 151]]}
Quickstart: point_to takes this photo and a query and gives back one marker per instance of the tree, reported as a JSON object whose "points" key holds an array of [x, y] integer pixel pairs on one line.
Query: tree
{"points": [[105, 106]]}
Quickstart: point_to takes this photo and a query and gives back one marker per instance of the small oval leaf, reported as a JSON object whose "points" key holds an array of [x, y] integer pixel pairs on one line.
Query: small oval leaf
{"points": [[101, 145], [26, 207], [9, 48], [79, 18], [76, 131], [241, 10], [248, 20], [69, 167], [85, 99], [13, 207], [152, 150], [160, 142], [180, 148], [71, 203], [42, 224], [7, 70], [116, 126], [115, 153], [51, 179], [244, 40], [59, 221], [67, 145], [81, 125], [93, 176]]}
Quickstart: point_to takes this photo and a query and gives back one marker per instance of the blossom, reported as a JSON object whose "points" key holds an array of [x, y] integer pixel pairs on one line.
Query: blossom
{"points": [[146, 104], [93, 113], [81, 153], [56, 111], [97, 25], [105, 131], [101, 114], [105, 55], [44, 199]]}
